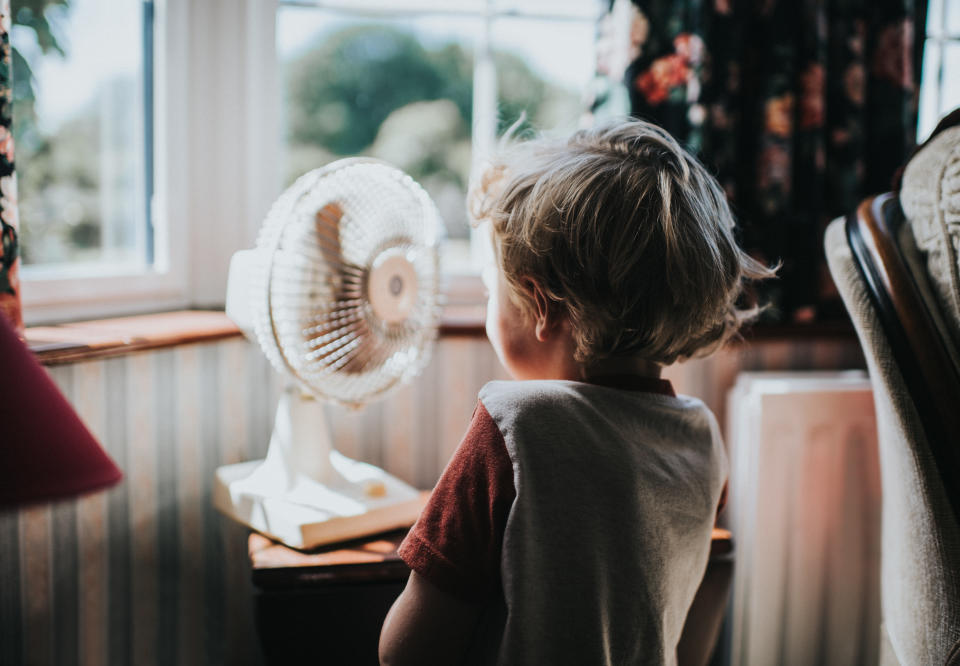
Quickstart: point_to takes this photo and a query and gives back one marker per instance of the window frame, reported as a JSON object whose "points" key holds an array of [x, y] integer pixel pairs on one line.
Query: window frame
{"points": [[216, 149], [71, 292], [936, 37], [211, 90]]}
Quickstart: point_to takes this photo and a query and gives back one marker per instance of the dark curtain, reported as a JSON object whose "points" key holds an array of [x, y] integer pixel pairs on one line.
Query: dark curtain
{"points": [[800, 107]]}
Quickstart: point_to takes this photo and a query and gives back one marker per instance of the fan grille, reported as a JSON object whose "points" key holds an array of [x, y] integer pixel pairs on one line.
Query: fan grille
{"points": [[321, 243]]}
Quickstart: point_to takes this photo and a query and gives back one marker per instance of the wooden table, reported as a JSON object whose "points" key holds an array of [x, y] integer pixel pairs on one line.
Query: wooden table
{"points": [[327, 606]]}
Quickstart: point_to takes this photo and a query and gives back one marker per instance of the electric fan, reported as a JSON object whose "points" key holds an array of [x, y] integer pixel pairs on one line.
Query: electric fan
{"points": [[341, 292]]}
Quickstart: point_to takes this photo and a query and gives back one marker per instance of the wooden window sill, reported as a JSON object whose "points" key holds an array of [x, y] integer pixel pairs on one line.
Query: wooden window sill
{"points": [[104, 338]]}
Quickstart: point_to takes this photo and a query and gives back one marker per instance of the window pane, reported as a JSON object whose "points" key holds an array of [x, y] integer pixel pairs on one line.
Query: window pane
{"points": [[398, 89], [79, 127], [929, 109], [544, 67], [953, 19], [935, 25], [950, 90]]}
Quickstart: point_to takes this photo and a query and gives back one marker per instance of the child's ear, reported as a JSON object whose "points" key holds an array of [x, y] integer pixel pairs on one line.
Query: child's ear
{"points": [[546, 316]]}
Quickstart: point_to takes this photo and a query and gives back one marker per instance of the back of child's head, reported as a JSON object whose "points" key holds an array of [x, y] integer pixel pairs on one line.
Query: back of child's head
{"points": [[628, 236]]}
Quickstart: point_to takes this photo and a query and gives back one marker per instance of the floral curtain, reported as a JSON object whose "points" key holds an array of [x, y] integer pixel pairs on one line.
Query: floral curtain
{"points": [[9, 226], [800, 107]]}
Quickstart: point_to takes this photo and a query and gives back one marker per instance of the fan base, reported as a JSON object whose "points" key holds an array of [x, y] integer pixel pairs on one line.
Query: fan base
{"points": [[332, 515]]}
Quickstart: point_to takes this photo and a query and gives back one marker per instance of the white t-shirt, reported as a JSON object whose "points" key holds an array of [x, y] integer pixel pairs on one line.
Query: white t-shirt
{"points": [[607, 537]]}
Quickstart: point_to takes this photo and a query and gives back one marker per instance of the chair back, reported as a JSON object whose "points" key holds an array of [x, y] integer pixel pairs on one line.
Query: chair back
{"points": [[916, 383]]}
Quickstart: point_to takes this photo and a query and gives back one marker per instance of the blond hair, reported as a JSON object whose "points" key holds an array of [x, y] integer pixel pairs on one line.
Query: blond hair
{"points": [[626, 233]]}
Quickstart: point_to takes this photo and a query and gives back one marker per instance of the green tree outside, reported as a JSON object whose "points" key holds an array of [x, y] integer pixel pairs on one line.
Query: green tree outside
{"points": [[377, 90]]}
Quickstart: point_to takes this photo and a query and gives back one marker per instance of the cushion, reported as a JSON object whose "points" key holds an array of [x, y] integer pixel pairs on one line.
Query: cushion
{"points": [[920, 566], [930, 197]]}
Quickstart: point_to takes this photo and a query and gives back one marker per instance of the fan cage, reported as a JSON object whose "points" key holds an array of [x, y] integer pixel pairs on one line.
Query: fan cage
{"points": [[312, 311]]}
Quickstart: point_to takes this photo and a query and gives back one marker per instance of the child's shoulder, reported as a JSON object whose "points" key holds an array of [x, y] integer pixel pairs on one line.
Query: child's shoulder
{"points": [[532, 392], [536, 395], [565, 399], [569, 416]]}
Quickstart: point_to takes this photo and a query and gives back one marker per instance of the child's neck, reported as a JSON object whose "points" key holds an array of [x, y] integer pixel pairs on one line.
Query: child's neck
{"points": [[595, 372], [552, 357], [620, 365]]}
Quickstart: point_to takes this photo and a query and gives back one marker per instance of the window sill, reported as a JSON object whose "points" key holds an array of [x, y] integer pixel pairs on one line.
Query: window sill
{"points": [[105, 338]]}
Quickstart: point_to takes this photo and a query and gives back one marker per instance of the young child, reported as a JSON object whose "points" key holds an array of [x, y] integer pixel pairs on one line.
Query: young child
{"points": [[573, 523]]}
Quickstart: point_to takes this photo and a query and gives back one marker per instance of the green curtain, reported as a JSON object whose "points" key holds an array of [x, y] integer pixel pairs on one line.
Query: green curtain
{"points": [[800, 107]]}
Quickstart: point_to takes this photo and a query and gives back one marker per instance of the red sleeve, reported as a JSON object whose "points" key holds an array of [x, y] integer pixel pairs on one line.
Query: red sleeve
{"points": [[457, 539]]}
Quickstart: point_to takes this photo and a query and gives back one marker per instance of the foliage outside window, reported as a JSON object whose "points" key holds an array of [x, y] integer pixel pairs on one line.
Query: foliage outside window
{"points": [[403, 87], [81, 127]]}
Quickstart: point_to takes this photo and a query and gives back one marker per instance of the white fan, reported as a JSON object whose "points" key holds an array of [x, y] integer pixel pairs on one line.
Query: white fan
{"points": [[341, 292]]}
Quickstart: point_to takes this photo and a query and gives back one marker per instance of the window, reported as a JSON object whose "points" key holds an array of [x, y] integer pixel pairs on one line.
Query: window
{"points": [[83, 122], [176, 123], [82, 127], [940, 87], [428, 87]]}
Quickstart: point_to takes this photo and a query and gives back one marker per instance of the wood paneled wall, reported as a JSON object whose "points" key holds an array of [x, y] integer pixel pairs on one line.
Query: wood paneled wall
{"points": [[148, 573]]}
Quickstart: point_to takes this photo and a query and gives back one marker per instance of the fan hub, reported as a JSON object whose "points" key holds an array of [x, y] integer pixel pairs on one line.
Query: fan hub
{"points": [[392, 286]]}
